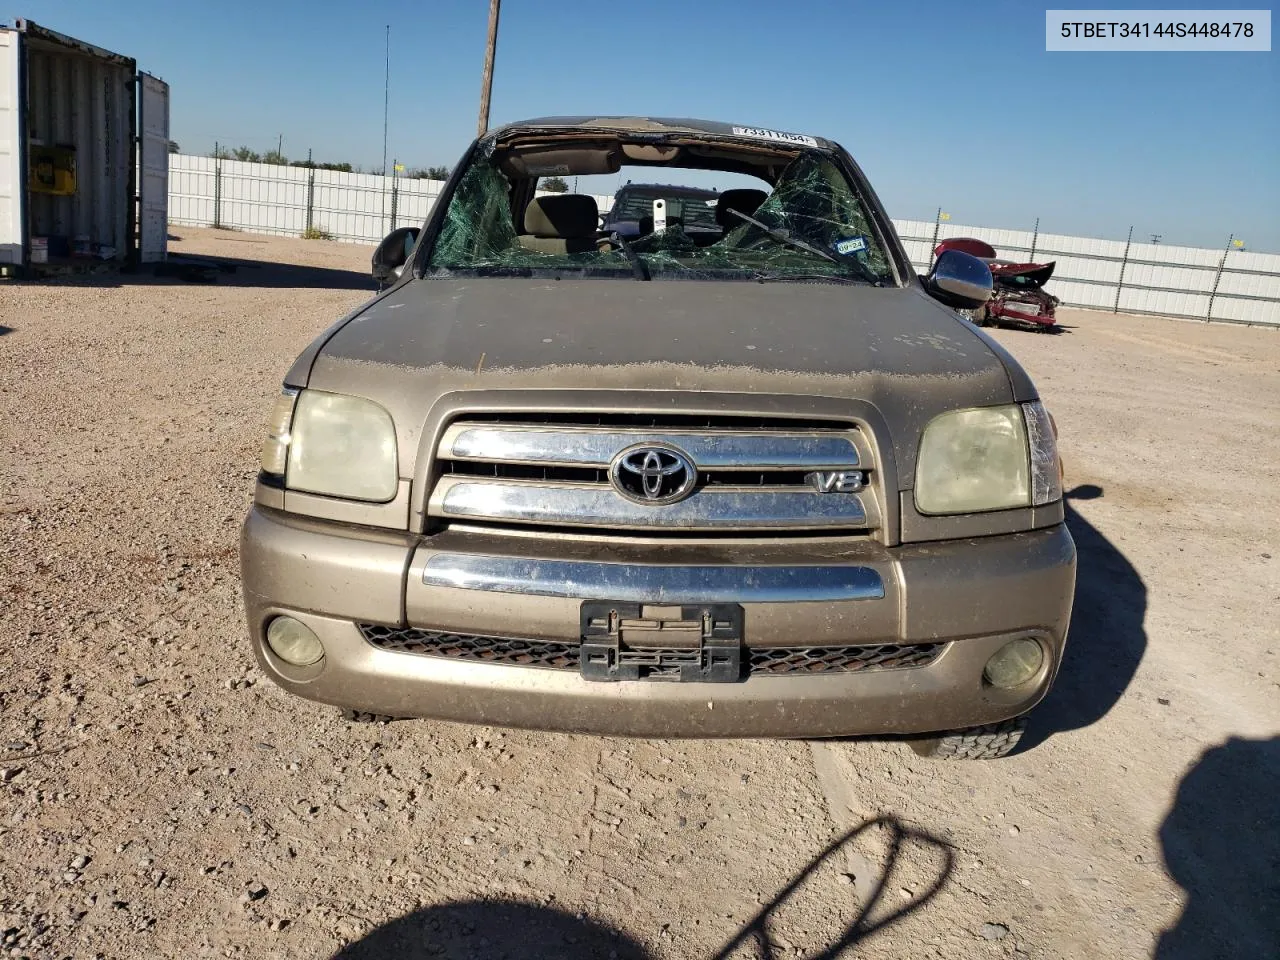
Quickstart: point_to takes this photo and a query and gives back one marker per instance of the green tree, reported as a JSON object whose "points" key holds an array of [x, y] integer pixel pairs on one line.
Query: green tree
{"points": [[173, 147], [340, 167], [554, 185], [244, 153], [276, 157]]}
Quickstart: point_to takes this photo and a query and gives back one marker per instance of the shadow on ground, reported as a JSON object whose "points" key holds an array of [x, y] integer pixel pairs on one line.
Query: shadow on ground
{"points": [[1107, 639], [234, 272], [494, 929], [4, 329], [1221, 844], [220, 271]]}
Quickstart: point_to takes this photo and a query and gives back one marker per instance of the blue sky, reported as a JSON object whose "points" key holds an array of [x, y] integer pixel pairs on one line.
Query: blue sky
{"points": [[943, 104]]}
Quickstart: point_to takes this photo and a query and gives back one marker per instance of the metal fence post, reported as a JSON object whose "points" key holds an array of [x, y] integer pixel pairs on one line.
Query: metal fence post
{"points": [[1218, 279], [395, 193], [937, 225], [1124, 262], [311, 192], [1035, 237], [217, 187]]}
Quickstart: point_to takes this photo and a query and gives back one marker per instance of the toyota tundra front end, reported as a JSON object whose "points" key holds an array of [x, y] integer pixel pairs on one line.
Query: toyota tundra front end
{"points": [[762, 483]]}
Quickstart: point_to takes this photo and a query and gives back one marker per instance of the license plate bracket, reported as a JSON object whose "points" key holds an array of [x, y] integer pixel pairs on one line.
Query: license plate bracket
{"points": [[681, 643]]}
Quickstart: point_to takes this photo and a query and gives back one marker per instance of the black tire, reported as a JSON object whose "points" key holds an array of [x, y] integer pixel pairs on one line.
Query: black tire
{"points": [[986, 742], [360, 716]]}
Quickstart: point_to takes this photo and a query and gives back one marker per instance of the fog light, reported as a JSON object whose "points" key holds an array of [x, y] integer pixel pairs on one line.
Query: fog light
{"points": [[1014, 664], [293, 642]]}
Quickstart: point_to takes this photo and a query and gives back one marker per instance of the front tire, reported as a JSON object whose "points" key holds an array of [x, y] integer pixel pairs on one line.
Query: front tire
{"points": [[987, 742]]}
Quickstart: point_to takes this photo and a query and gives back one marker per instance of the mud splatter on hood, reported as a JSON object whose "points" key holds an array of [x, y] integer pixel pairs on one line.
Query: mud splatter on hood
{"points": [[526, 324]]}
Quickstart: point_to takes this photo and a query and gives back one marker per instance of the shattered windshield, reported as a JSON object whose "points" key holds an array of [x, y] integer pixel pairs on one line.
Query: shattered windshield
{"points": [[811, 226]]}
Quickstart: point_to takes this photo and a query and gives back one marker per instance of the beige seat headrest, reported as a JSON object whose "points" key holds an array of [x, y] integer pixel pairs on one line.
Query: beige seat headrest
{"points": [[562, 215]]}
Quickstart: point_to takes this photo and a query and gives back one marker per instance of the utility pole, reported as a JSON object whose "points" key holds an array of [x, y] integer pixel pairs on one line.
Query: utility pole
{"points": [[486, 82], [280, 145], [386, 102], [386, 108]]}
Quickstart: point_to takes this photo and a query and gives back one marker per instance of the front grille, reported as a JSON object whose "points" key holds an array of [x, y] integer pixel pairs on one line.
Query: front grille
{"points": [[883, 656], [462, 646], [663, 421], [553, 655], [764, 476], [555, 474]]}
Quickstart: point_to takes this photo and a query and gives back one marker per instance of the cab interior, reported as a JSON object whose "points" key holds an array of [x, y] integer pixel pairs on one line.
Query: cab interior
{"points": [[566, 223]]}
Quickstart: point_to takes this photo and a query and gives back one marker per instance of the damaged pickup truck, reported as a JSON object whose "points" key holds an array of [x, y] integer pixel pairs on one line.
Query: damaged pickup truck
{"points": [[760, 481]]}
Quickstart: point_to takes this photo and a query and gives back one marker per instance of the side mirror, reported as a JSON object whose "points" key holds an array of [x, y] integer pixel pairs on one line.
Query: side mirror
{"points": [[393, 253], [959, 280]]}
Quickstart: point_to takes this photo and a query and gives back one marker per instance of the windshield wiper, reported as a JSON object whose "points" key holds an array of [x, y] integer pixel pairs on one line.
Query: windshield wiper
{"points": [[782, 236], [638, 266], [804, 278]]}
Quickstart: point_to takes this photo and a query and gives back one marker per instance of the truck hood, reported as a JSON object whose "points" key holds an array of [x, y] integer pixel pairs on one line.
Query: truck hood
{"points": [[892, 347]]}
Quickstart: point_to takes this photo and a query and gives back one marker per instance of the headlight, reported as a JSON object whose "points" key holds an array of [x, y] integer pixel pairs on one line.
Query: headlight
{"points": [[332, 444], [972, 460], [987, 458]]}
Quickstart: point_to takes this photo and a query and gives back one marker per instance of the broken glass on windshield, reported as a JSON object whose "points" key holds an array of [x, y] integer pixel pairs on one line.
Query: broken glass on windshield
{"points": [[812, 203]]}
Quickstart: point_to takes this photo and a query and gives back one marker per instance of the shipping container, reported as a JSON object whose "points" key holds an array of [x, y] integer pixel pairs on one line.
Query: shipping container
{"points": [[84, 155]]}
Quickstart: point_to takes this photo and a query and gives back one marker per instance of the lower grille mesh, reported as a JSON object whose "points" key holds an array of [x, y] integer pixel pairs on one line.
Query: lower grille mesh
{"points": [[462, 646], [882, 656], [551, 655]]}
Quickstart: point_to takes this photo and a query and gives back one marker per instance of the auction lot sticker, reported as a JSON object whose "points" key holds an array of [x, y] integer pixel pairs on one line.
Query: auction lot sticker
{"points": [[1187, 31], [777, 135]]}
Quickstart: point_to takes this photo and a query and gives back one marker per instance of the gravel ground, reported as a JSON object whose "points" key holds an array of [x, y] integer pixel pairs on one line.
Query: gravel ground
{"points": [[158, 797]]}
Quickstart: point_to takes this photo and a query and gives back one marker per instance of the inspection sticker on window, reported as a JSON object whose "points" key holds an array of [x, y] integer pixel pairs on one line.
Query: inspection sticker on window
{"points": [[851, 245], [797, 138]]}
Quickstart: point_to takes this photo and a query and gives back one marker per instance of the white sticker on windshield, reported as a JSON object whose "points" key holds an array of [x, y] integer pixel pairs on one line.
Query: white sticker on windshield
{"points": [[550, 170], [851, 245], [763, 134]]}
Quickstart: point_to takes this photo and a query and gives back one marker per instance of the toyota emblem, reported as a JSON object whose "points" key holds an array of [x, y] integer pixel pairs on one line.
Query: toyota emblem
{"points": [[653, 474]]}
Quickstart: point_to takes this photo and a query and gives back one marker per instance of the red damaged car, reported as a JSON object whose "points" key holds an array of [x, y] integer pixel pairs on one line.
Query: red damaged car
{"points": [[1018, 297]]}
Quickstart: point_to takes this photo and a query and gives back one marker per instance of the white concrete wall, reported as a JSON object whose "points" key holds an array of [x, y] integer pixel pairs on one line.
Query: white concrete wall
{"points": [[1158, 278]]}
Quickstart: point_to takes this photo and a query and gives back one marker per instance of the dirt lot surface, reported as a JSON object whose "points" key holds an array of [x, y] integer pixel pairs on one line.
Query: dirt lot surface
{"points": [[160, 798]]}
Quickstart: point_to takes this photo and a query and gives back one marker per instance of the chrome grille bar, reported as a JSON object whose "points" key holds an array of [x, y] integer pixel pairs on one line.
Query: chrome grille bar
{"points": [[584, 446], [656, 584], [595, 505]]}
